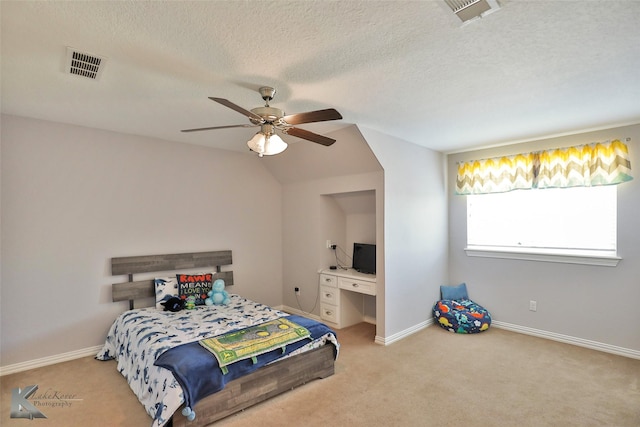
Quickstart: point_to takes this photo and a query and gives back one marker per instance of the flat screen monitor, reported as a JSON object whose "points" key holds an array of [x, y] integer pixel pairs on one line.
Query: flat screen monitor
{"points": [[364, 258]]}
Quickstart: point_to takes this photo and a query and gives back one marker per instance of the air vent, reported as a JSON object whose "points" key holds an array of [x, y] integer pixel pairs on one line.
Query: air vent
{"points": [[84, 64], [471, 9]]}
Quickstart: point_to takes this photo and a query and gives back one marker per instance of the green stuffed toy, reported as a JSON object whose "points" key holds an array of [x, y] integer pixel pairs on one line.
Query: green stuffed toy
{"points": [[190, 303]]}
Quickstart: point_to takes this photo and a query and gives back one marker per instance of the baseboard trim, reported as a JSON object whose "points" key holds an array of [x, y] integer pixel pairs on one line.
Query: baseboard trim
{"points": [[403, 334], [580, 342], [369, 319], [297, 312], [49, 360]]}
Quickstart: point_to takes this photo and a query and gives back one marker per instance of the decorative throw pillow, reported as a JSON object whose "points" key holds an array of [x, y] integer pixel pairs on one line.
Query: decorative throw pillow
{"points": [[454, 292], [196, 285], [166, 288]]}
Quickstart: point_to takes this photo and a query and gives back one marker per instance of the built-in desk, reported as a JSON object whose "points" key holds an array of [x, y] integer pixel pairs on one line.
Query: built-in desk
{"points": [[341, 296]]}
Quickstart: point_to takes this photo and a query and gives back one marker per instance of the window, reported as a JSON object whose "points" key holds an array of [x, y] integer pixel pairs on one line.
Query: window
{"points": [[578, 224], [554, 205]]}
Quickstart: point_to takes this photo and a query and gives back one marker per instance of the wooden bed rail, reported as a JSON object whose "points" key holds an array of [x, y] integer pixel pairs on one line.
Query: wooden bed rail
{"points": [[169, 262], [266, 382]]}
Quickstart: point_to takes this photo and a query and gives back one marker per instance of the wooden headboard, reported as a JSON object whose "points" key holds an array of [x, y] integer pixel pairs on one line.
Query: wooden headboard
{"points": [[133, 290]]}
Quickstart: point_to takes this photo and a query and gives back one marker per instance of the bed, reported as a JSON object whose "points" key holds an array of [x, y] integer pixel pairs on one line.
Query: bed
{"points": [[161, 355]]}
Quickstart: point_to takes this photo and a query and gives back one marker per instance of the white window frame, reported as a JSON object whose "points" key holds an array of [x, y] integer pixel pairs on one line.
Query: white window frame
{"points": [[589, 256]]}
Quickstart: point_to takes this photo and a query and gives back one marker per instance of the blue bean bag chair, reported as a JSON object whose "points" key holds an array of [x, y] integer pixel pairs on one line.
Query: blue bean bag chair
{"points": [[455, 312]]}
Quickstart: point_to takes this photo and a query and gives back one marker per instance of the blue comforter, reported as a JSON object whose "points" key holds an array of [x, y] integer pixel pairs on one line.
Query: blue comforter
{"points": [[199, 374]]}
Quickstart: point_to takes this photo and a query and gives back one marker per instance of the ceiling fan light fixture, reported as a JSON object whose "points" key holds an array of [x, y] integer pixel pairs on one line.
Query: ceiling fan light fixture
{"points": [[267, 144], [270, 119]]}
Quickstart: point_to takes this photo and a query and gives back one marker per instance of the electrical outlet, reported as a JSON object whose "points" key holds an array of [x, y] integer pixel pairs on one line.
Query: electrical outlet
{"points": [[328, 244], [297, 290], [533, 305]]}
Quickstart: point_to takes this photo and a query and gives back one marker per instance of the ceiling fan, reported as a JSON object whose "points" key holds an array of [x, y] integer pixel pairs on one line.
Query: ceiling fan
{"points": [[270, 119]]}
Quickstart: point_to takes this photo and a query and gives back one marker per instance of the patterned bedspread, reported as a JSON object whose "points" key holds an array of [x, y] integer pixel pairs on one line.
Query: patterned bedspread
{"points": [[138, 337]]}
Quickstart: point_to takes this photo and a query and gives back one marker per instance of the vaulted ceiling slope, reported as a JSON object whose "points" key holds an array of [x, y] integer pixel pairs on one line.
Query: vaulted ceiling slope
{"points": [[410, 69]]}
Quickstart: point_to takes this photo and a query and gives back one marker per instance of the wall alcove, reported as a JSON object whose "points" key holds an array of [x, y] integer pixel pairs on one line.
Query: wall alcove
{"points": [[329, 193], [350, 217]]}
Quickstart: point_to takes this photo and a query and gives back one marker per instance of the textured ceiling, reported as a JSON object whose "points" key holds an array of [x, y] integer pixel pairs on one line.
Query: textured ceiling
{"points": [[406, 68]]}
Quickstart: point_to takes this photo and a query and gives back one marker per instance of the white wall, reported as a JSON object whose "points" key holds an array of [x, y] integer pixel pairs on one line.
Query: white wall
{"points": [[74, 197], [415, 231], [586, 302], [360, 229]]}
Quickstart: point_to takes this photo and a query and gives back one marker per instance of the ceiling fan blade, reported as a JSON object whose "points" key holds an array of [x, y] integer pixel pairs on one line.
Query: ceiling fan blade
{"points": [[218, 127], [237, 108], [309, 136], [313, 116]]}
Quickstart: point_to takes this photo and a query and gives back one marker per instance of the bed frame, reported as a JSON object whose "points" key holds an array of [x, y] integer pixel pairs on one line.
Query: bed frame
{"points": [[241, 393]]}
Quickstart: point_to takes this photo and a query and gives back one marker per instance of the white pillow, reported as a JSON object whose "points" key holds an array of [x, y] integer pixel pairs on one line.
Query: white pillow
{"points": [[166, 287]]}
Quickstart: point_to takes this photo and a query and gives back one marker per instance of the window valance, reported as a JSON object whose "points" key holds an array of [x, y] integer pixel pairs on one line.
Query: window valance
{"points": [[601, 163]]}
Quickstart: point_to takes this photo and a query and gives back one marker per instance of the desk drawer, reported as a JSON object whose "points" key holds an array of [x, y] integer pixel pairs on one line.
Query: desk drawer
{"points": [[329, 295], [356, 285], [328, 280], [329, 312]]}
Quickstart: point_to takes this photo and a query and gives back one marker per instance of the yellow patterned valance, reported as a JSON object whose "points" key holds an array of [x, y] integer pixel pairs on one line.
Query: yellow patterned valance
{"points": [[604, 163]]}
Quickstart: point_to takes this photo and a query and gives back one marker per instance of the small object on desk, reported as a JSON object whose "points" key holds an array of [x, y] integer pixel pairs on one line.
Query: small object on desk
{"points": [[332, 267]]}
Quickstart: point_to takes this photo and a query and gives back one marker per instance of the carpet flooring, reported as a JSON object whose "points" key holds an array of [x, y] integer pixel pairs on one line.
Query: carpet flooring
{"points": [[431, 378]]}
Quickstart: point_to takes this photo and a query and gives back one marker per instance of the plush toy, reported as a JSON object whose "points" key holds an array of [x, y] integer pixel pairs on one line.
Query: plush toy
{"points": [[190, 303], [173, 304], [217, 295]]}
